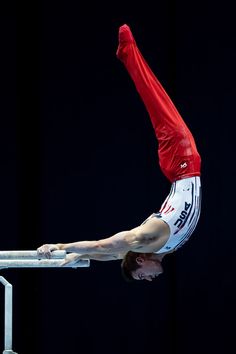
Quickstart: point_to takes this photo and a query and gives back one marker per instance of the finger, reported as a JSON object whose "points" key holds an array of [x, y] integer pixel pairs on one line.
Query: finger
{"points": [[40, 253], [48, 254], [43, 253], [65, 262]]}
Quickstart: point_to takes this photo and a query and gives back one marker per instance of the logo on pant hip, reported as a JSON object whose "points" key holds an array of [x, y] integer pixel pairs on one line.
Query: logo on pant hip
{"points": [[183, 165]]}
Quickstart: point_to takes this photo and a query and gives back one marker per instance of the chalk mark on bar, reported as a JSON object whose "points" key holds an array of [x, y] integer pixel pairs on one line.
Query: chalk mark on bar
{"points": [[29, 255]]}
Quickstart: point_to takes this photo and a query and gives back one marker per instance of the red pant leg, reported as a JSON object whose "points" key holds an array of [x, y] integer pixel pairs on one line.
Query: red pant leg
{"points": [[178, 155]]}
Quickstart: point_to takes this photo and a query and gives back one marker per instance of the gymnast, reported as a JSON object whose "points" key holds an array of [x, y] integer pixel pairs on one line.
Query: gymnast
{"points": [[141, 249]]}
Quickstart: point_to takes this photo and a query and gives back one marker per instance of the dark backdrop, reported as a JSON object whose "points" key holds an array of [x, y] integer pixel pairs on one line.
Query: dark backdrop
{"points": [[78, 161]]}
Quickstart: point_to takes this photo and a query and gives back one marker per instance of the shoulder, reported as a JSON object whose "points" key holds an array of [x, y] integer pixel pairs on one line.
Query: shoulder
{"points": [[152, 228], [151, 236]]}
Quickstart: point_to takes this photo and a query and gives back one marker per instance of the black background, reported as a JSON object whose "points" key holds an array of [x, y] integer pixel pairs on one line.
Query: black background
{"points": [[78, 162]]}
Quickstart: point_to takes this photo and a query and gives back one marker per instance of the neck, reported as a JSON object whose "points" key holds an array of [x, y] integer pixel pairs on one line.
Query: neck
{"points": [[158, 257]]}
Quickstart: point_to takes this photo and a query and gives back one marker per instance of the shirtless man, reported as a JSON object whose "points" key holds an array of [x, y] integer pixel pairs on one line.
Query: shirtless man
{"points": [[143, 248]]}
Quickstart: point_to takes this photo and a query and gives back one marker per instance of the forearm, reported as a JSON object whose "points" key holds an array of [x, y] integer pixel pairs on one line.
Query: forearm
{"points": [[112, 245], [102, 257], [81, 247], [95, 257]]}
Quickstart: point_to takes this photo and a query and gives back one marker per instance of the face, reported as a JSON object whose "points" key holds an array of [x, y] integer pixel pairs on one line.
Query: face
{"points": [[149, 269]]}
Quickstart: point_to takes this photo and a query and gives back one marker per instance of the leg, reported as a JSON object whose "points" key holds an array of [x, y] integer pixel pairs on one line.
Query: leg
{"points": [[178, 156]]}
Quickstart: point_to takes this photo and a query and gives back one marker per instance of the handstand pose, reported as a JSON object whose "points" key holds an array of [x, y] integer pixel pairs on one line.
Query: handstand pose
{"points": [[143, 248]]}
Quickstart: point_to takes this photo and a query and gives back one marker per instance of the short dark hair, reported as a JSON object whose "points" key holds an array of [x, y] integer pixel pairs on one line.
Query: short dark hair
{"points": [[128, 265]]}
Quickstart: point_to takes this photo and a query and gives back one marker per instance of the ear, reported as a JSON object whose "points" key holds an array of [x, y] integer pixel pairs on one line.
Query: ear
{"points": [[139, 260]]}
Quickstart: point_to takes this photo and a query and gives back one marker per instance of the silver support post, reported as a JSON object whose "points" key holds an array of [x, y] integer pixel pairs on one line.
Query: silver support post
{"points": [[8, 316]]}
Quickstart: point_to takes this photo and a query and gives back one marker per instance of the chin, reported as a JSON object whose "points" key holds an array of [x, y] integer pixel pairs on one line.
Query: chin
{"points": [[160, 268]]}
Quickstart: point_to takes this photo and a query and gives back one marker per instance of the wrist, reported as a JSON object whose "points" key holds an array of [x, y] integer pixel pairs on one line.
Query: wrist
{"points": [[60, 246]]}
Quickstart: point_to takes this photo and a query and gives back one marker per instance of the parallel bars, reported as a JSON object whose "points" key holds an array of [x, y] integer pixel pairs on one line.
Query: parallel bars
{"points": [[27, 259]]}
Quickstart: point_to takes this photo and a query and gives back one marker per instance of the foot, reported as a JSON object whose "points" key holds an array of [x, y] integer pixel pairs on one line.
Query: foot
{"points": [[125, 37]]}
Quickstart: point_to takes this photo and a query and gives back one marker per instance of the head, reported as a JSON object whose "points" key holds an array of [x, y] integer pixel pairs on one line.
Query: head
{"points": [[141, 266]]}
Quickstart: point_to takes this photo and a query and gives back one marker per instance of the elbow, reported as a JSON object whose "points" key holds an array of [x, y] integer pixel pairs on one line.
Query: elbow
{"points": [[98, 247]]}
